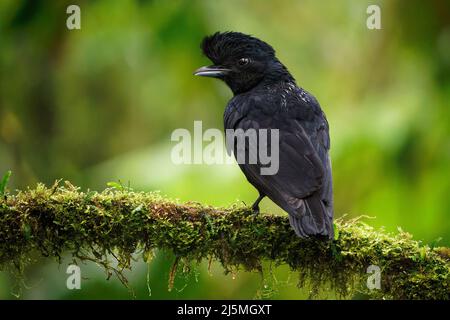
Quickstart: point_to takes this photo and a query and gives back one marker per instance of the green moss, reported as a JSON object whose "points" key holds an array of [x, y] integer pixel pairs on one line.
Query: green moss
{"points": [[91, 226]]}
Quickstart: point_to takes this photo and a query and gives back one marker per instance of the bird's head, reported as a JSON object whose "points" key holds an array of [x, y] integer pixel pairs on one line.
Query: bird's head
{"points": [[242, 61]]}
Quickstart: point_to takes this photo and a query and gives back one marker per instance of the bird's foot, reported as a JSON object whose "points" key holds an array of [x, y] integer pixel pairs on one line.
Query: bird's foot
{"points": [[255, 210]]}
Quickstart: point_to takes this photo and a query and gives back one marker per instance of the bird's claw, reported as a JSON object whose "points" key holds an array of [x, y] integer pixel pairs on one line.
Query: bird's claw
{"points": [[255, 210]]}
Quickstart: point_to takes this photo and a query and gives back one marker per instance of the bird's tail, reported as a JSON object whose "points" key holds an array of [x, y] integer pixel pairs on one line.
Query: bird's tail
{"points": [[313, 217]]}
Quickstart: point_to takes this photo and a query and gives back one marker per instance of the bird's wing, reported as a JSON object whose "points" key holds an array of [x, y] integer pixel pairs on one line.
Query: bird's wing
{"points": [[300, 170], [302, 185]]}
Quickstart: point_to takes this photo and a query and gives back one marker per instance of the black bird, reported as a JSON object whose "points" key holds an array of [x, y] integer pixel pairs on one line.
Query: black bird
{"points": [[266, 96]]}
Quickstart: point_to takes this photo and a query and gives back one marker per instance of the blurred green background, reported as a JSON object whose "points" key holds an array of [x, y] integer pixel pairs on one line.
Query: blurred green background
{"points": [[99, 104]]}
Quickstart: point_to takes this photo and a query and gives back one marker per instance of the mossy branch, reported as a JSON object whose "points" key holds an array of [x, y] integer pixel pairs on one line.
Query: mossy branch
{"points": [[93, 226]]}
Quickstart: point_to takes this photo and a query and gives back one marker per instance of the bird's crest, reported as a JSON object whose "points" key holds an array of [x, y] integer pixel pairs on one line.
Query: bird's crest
{"points": [[221, 45]]}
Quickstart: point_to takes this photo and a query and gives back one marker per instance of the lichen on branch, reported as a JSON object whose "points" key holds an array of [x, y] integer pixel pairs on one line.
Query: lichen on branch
{"points": [[52, 221]]}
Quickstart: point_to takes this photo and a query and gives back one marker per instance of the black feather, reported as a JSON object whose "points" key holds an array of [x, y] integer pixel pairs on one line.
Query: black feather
{"points": [[266, 96]]}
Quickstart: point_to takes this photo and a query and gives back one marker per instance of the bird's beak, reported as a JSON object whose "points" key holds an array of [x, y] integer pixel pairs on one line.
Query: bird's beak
{"points": [[211, 71]]}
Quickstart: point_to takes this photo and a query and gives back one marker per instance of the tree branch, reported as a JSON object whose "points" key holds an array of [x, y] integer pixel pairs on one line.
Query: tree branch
{"points": [[52, 221]]}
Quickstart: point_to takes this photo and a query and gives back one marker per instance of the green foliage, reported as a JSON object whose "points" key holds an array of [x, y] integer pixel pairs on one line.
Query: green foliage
{"points": [[4, 182], [118, 186], [99, 104], [51, 221]]}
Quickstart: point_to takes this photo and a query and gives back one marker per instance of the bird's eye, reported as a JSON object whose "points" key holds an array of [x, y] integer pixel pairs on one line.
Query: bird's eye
{"points": [[243, 61]]}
